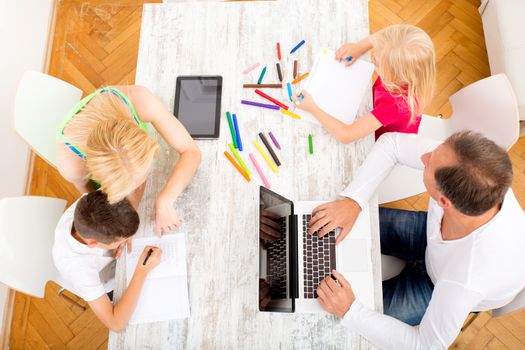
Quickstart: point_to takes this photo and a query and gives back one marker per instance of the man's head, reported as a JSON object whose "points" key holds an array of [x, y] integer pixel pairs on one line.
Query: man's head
{"points": [[103, 224], [469, 172]]}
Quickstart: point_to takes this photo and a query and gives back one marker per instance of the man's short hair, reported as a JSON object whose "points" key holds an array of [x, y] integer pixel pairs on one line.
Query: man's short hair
{"points": [[480, 179], [95, 218]]}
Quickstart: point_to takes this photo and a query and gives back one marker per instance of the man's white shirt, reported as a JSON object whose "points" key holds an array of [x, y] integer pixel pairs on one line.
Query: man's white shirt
{"points": [[482, 271]]}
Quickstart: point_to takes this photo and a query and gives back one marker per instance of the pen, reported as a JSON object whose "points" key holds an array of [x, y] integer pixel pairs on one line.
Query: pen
{"points": [[150, 251]]}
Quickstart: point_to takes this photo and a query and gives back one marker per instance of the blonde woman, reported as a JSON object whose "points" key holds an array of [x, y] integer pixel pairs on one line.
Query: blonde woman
{"points": [[404, 59], [103, 143]]}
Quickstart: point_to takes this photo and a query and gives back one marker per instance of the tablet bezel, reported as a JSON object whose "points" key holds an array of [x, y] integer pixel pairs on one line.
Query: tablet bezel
{"points": [[218, 78]]}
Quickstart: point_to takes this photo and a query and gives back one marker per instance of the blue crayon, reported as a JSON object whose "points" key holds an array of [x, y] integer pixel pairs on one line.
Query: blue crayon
{"points": [[300, 98], [236, 126], [349, 59], [289, 86], [297, 47]]}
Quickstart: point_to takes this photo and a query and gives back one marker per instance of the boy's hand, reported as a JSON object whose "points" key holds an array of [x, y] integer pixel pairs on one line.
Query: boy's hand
{"points": [[307, 104], [152, 262]]}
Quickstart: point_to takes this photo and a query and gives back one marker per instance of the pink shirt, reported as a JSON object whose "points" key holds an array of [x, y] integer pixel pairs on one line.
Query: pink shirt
{"points": [[392, 111]]}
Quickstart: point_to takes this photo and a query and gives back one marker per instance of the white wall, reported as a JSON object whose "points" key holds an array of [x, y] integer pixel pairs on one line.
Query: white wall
{"points": [[24, 31]]}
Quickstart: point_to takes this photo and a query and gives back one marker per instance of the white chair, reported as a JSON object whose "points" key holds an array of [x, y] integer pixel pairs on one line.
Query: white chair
{"points": [[27, 233], [41, 103], [487, 106]]}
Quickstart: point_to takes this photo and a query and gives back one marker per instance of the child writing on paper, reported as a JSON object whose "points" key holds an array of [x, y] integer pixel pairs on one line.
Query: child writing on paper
{"points": [[404, 60], [88, 238]]}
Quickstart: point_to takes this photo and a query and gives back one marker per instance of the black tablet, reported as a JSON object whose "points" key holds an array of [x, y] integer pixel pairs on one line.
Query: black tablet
{"points": [[198, 105]]}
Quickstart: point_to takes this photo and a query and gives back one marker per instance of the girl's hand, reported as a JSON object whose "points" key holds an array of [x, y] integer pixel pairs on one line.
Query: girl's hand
{"points": [[307, 104], [354, 50], [166, 218]]}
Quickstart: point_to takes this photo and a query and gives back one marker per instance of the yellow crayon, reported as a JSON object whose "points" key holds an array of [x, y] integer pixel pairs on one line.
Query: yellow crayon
{"points": [[265, 156], [291, 114]]}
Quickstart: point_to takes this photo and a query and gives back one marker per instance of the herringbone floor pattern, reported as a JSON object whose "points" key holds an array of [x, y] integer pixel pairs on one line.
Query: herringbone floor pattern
{"points": [[95, 44]]}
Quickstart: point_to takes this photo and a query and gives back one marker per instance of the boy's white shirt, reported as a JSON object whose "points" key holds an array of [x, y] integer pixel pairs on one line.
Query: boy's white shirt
{"points": [[482, 271], [91, 271]]}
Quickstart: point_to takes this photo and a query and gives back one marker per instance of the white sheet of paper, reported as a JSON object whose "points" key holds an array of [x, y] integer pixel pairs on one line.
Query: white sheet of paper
{"points": [[164, 295], [337, 89]]}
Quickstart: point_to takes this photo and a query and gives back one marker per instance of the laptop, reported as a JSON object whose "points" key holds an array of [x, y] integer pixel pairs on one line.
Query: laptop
{"points": [[293, 263]]}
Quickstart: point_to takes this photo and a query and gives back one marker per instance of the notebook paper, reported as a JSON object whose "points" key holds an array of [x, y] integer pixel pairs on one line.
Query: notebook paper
{"points": [[337, 89], [164, 295]]}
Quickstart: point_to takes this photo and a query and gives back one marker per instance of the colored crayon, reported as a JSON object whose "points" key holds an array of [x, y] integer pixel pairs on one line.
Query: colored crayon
{"points": [[310, 144], [259, 171], [279, 51], [274, 139], [290, 114], [239, 159], [270, 149], [250, 68], [271, 99], [279, 72], [269, 86], [257, 104], [294, 68], [289, 87], [297, 46], [239, 169], [261, 76], [232, 130], [298, 79], [265, 157], [236, 127]]}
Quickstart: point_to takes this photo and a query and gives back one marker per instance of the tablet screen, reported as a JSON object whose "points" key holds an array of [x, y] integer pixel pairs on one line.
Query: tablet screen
{"points": [[198, 104]]}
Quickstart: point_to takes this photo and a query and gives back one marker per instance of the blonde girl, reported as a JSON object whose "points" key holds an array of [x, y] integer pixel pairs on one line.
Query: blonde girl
{"points": [[103, 143], [404, 60]]}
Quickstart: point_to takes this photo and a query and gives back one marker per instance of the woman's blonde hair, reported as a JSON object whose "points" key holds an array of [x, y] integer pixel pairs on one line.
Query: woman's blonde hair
{"points": [[406, 62], [118, 151]]}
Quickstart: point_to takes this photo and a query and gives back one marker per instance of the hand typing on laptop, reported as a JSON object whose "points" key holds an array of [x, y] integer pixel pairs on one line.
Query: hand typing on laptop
{"points": [[329, 216], [335, 296], [269, 227]]}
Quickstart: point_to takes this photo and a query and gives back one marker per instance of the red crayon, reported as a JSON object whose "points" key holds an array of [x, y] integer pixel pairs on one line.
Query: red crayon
{"points": [[269, 98], [279, 51]]}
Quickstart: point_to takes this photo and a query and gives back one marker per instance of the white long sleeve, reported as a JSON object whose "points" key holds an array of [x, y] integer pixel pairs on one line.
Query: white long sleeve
{"points": [[389, 150]]}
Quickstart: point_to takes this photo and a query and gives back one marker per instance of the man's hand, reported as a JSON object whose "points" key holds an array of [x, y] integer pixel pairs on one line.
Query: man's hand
{"points": [[329, 216], [335, 297], [264, 294]]}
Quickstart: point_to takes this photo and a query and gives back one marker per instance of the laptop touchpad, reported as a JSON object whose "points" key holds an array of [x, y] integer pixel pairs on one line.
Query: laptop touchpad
{"points": [[354, 255]]}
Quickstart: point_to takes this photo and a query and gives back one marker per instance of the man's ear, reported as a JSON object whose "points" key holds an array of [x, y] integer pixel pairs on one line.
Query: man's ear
{"points": [[444, 202], [91, 243]]}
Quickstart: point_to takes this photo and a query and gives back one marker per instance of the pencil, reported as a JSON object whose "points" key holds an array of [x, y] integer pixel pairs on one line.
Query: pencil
{"points": [[271, 99], [265, 157], [291, 114], [269, 86], [298, 79], [279, 72], [239, 169], [270, 149], [261, 76], [294, 68], [232, 130], [259, 171], [239, 159]]}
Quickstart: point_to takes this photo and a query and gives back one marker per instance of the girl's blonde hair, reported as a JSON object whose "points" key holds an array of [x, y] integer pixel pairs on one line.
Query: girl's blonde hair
{"points": [[406, 62], [118, 151]]}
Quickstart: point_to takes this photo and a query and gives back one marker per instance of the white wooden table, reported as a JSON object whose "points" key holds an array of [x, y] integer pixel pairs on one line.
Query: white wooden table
{"points": [[219, 208]]}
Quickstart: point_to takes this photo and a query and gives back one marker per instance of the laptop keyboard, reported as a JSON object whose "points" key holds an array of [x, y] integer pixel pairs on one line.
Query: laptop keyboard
{"points": [[277, 269], [319, 258]]}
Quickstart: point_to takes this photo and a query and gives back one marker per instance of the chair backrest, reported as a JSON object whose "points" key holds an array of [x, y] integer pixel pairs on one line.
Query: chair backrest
{"points": [[41, 103], [487, 106], [27, 233], [517, 303]]}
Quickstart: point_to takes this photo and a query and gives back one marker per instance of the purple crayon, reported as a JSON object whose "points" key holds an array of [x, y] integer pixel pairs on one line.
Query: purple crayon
{"points": [[263, 105], [274, 140]]}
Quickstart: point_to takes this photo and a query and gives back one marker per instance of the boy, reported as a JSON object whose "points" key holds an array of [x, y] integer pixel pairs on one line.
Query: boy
{"points": [[88, 238]]}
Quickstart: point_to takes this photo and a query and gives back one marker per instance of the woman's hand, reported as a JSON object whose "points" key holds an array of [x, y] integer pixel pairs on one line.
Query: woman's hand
{"points": [[307, 103], [166, 218]]}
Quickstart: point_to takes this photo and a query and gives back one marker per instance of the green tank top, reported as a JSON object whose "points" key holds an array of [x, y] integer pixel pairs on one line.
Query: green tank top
{"points": [[81, 104]]}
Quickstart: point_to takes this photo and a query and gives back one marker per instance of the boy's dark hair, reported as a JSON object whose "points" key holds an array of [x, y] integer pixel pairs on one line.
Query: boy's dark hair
{"points": [[480, 179], [96, 219]]}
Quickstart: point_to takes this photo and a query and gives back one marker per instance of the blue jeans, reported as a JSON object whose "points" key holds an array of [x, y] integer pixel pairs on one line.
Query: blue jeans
{"points": [[403, 235]]}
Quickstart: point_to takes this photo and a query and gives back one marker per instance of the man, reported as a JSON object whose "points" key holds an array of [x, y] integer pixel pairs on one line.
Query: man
{"points": [[466, 254]]}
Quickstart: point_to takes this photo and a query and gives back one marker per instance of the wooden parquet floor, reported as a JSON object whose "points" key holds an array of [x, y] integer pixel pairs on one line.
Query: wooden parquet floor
{"points": [[95, 44]]}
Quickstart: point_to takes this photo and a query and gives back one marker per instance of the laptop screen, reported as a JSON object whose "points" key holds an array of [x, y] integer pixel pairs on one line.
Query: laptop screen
{"points": [[275, 239]]}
